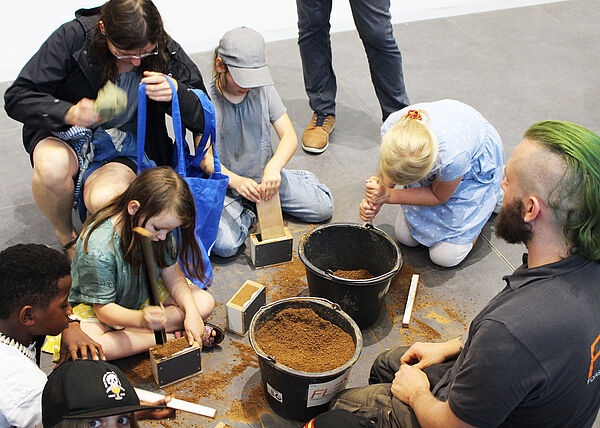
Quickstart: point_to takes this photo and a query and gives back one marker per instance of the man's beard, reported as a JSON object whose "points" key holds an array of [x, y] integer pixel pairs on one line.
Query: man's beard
{"points": [[510, 225]]}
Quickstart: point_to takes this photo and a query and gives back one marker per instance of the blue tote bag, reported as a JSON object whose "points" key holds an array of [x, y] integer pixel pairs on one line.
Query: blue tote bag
{"points": [[208, 192]]}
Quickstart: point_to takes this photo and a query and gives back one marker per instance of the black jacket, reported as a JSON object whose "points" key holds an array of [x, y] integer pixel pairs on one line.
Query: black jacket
{"points": [[63, 71]]}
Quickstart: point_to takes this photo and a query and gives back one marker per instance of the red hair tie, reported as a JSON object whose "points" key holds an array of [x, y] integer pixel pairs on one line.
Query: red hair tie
{"points": [[414, 114]]}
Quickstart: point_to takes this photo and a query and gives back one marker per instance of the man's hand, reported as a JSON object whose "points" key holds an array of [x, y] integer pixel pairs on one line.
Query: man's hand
{"points": [[157, 87], [270, 183], [246, 187], [74, 340], [166, 413], [422, 355], [408, 383], [83, 114]]}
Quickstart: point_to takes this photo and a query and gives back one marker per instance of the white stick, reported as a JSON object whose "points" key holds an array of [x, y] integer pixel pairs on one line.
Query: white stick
{"points": [[410, 300], [176, 403]]}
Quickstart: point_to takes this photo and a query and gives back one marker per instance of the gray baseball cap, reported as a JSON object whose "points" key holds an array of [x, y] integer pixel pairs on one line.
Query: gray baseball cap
{"points": [[243, 51]]}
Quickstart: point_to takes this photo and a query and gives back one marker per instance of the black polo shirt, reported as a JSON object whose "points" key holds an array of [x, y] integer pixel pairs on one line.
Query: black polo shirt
{"points": [[532, 355]]}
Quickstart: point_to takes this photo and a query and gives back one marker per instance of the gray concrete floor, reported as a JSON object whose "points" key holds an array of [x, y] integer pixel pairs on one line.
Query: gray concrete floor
{"points": [[516, 66]]}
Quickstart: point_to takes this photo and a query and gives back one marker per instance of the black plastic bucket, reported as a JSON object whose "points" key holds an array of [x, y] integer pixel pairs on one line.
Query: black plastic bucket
{"points": [[350, 247], [292, 393]]}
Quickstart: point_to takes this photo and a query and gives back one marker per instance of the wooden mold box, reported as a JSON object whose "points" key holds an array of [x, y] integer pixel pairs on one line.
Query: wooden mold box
{"points": [[243, 305], [271, 251], [175, 361]]}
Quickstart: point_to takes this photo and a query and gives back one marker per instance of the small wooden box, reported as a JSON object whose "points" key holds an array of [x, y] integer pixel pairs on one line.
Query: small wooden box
{"points": [[179, 366], [243, 305], [271, 251]]}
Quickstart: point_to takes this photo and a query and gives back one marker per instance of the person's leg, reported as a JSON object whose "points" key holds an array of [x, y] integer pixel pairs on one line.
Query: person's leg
{"points": [[373, 22], [233, 227], [108, 181], [302, 196], [175, 315], [402, 231], [446, 254], [54, 167], [386, 365], [376, 403], [120, 343], [315, 51]]}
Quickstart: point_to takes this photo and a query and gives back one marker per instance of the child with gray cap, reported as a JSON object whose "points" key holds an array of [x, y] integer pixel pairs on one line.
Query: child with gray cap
{"points": [[246, 106]]}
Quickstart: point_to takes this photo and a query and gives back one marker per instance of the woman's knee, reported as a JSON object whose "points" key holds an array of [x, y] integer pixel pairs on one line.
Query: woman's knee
{"points": [[446, 254], [54, 164]]}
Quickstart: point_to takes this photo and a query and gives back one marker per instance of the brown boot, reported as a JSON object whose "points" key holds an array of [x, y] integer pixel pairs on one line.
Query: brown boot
{"points": [[315, 137]]}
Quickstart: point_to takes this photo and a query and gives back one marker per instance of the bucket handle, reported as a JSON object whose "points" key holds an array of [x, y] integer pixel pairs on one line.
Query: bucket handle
{"points": [[270, 359], [329, 273], [369, 226]]}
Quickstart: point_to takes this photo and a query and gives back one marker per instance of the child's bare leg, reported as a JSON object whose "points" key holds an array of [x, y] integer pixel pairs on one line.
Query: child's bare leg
{"points": [[119, 343]]}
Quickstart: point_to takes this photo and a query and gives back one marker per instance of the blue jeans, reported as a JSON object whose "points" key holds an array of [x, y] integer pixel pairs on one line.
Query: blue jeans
{"points": [[301, 195], [373, 22]]}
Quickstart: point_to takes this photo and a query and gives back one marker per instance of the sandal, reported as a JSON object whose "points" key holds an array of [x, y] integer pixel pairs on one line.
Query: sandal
{"points": [[209, 341]]}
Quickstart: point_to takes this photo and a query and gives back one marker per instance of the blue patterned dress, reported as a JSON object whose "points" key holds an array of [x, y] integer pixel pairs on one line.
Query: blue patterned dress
{"points": [[469, 146]]}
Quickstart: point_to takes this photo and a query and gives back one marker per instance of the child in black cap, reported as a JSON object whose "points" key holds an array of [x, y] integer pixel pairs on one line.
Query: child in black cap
{"points": [[90, 393]]}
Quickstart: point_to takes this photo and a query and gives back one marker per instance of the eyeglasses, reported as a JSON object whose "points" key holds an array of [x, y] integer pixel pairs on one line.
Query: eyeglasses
{"points": [[144, 55]]}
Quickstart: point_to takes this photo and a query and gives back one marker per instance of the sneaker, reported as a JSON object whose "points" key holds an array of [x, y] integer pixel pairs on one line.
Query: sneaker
{"points": [[315, 137]]}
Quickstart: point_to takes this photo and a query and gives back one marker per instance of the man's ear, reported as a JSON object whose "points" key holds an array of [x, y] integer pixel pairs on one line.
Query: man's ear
{"points": [[533, 207], [26, 316], [101, 27], [133, 207]]}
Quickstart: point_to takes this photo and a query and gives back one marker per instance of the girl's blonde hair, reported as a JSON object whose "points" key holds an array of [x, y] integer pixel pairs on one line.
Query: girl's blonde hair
{"points": [[409, 150], [219, 75], [84, 423]]}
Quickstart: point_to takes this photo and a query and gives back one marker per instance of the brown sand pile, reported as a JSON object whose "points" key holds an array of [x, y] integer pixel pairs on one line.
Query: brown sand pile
{"points": [[169, 348], [298, 338], [354, 274], [251, 408]]}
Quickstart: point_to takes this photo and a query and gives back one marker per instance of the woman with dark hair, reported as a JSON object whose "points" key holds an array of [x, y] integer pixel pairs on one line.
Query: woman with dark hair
{"points": [[123, 42]]}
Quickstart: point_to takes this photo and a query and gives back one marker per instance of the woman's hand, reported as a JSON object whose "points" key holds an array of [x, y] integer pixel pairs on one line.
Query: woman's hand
{"points": [[158, 89], [154, 317], [246, 187], [83, 114], [76, 344], [368, 211], [375, 192], [270, 183]]}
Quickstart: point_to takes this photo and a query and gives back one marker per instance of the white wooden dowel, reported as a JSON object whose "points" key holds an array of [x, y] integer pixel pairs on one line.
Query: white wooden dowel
{"points": [[176, 403], [410, 300]]}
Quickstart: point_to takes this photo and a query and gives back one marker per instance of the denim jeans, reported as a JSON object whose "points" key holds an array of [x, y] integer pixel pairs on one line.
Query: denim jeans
{"points": [[373, 22], [301, 195]]}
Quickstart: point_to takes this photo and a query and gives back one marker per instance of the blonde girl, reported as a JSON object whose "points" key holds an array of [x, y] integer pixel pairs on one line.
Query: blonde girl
{"points": [[447, 159]]}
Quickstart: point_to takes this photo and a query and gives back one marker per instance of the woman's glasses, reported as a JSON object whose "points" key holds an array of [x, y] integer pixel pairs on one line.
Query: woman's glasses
{"points": [[140, 56]]}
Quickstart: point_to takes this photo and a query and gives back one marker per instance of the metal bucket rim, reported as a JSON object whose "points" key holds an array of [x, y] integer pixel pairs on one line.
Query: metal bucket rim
{"points": [[297, 373], [348, 281]]}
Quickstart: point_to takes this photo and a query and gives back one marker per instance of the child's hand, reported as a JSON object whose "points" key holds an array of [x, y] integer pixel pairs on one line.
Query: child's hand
{"points": [[154, 317], [158, 89], [246, 187], [375, 192], [193, 324], [166, 413], [368, 211], [270, 183]]}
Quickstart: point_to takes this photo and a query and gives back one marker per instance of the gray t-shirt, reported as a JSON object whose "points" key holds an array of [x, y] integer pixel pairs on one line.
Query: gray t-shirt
{"points": [[532, 355], [244, 129], [127, 121]]}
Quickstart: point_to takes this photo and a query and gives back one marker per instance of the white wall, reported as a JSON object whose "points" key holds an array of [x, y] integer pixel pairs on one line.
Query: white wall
{"points": [[198, 24]]}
